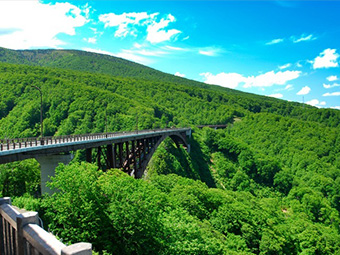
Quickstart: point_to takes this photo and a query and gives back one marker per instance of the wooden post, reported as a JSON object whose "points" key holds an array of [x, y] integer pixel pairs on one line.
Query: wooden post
{"points": [[23, 220], [4, 200]]}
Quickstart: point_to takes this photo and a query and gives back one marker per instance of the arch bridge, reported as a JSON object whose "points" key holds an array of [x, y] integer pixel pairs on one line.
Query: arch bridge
{"points": [[129, 151]]}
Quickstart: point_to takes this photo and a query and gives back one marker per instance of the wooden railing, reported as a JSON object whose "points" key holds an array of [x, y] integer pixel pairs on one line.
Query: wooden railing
{"points": [[20, 234], [17, 143]]}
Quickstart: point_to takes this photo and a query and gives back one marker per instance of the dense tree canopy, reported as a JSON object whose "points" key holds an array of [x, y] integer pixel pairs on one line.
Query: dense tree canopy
{"points": [[269, 183]]}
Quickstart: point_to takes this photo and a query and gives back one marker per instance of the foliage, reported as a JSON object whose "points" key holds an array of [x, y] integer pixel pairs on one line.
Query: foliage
{"points": [[268, 183], [20, 177]]}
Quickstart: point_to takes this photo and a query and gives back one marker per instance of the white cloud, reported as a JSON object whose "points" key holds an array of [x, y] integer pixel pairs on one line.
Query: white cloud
{"points": [[275, 41], [34, 24], [127, 24], [130, 55], [278, 95], [298, 64], [332, 78], [98, 51], [206, 53], [232, 80], [315, 102], [167, 47], [289, 87], [327, 58], [179, 74], [285, 66], [137, 45], [156, 32], [228, 80], [304, 91], [328, 86], [303, 38], [143, 52], [92, 40], [270, 78], [210, 51], [331, 94], [336, 107]]}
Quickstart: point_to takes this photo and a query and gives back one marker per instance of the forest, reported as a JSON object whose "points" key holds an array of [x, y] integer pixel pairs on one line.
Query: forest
{"points": [[269, 183]]}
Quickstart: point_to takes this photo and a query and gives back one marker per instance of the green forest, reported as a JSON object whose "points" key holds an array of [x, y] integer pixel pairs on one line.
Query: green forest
{"points": [[268, 183]]}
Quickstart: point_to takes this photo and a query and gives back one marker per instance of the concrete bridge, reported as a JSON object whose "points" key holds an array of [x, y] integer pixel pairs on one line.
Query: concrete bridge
{"points": [[129, 151]]}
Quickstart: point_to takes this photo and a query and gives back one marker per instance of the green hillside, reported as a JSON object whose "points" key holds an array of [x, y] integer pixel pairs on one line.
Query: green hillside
{"points": [[267, 184]]}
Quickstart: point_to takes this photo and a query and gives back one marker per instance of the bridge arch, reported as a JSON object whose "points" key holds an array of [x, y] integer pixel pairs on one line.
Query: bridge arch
{"points": [[177, 138]]}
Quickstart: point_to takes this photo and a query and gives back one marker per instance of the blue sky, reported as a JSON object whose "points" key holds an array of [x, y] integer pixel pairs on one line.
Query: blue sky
{"points": [[284, 49]]}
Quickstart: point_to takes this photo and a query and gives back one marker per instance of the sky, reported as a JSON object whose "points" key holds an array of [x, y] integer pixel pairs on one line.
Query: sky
{"points": [[284, 49]]}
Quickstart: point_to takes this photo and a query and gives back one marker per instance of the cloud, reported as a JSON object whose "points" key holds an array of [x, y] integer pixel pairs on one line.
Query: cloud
{"points": [[304, 91], [34, 24], [328, 86], [303, 38], [167, 47], [327, 58], [156, 32], [210, 51], [315, 102], [285, 66], [332, 78], [298, 64], [125, 22], [270, 78], [336, 107], [275, 41], [289, 87], [278, 95], [331, 94], [98, 51], [232, 80], [92, 40], [179, 74], [130, 23], [143, 52], [228, 80], [130, 55]]}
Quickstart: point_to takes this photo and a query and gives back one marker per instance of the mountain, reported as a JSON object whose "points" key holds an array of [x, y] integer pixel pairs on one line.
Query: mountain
{"points": [[99, 65], [268, 183]]}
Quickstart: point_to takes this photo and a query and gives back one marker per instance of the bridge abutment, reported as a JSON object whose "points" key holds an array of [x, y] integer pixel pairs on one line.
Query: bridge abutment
{"points": [[48, 164]]}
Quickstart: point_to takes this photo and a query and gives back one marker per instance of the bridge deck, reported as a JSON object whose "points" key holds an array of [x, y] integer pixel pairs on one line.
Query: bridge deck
{"points": [[24, 148]]}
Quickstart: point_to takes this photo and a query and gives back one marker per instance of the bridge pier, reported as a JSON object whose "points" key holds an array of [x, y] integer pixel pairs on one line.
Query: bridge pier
{"points": [[48, 164]]}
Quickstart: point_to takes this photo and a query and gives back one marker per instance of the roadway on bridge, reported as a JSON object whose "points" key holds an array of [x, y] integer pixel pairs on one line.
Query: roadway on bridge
{"points": [[22, 148]]}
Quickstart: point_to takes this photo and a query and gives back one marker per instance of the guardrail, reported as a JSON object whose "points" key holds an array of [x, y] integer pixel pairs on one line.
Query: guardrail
{"points": [[20, 234], [17, 143]]}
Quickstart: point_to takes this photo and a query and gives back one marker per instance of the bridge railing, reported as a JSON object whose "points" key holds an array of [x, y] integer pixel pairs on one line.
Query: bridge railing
{"points": [[20, 234], [17, 143]]}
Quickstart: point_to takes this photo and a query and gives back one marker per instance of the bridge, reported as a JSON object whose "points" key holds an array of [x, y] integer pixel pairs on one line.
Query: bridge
{"points": [[129, 151]]}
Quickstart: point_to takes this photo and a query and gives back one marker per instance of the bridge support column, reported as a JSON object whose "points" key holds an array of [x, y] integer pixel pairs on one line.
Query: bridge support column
{"points": [[110, 156], [48, 164]]}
